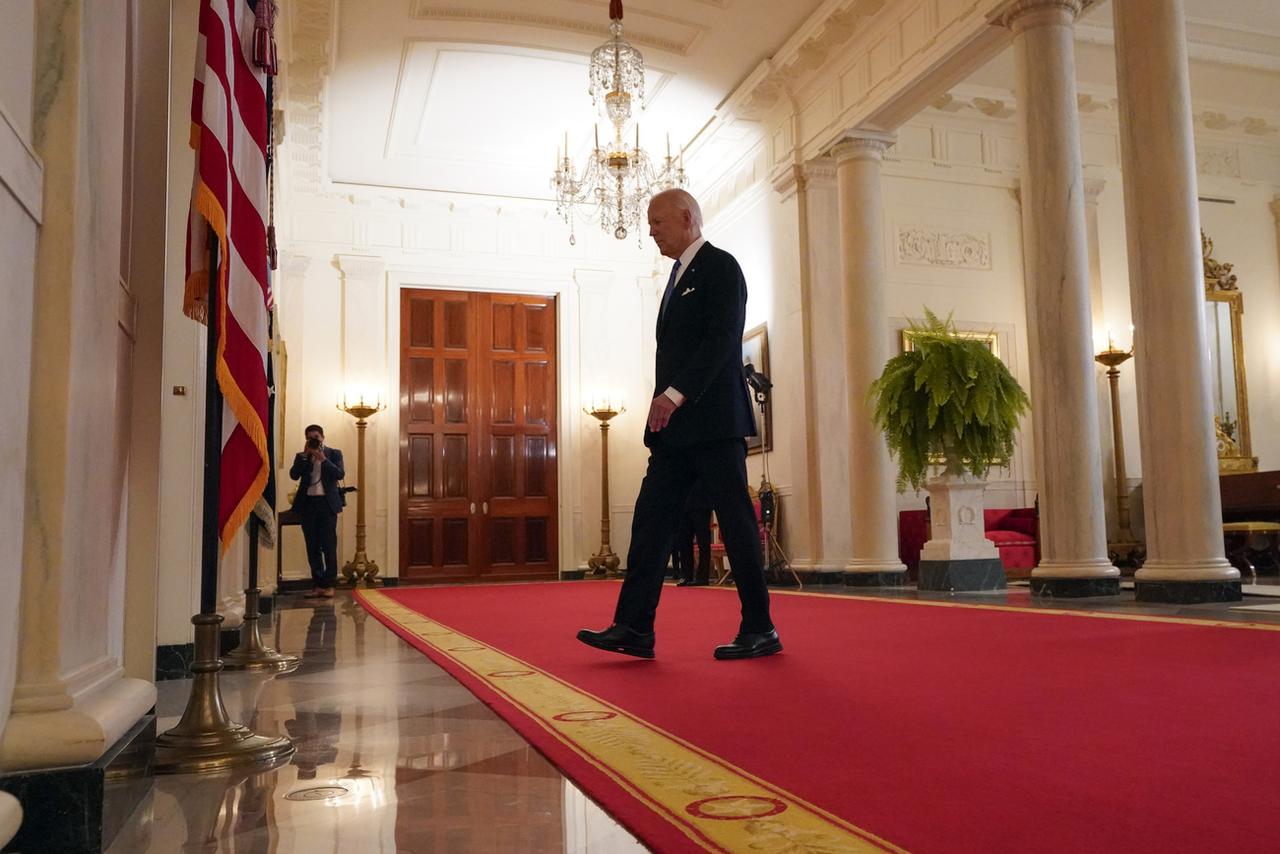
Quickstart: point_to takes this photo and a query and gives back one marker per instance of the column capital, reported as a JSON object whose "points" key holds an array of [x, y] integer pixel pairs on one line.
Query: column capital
{"points": [[1020, 14], [862, 145], [820, 171], [294, 264], [360, 268], [1274, 204]]}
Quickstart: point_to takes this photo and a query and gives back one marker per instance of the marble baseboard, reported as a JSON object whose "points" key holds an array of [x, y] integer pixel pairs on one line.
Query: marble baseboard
{"points": [[1074, 588], [302, 585], [1188, 592], [820, 577], [962, 575], [173, 660], [875, 579], [80, 809]]}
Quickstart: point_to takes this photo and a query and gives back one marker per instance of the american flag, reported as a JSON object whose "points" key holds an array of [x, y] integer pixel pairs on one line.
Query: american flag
{"points": [[229, 198]]}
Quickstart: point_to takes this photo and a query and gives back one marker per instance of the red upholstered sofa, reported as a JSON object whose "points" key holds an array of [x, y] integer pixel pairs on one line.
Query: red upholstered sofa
{"points": [[1014, 530]]}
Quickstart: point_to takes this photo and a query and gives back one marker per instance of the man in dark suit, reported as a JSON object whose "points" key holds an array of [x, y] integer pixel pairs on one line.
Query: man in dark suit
{"points": [[698, 420], [695, 524], [318, 502]]}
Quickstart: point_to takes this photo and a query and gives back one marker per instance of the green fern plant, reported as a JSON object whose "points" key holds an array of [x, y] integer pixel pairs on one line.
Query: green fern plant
{"points": [[948, 400]]}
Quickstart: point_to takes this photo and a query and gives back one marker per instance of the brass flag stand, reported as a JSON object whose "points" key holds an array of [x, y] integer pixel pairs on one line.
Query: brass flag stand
{"points": [[206, 739], [252, 653]]}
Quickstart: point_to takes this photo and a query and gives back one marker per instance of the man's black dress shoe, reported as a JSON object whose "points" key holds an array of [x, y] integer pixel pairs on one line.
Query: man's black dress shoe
{"points": [[619, 638], [751, 645], [692, 582]]}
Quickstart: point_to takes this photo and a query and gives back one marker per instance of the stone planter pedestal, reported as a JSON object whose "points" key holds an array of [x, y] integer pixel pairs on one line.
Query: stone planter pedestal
{"points": [[958, 556]]}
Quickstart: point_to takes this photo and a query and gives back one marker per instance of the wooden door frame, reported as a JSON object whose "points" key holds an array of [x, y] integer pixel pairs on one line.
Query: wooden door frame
{"points": [[568, 392]]}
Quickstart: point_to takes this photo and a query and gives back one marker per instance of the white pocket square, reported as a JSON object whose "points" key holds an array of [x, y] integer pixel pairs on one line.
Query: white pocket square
{"points": [[687, 291]]}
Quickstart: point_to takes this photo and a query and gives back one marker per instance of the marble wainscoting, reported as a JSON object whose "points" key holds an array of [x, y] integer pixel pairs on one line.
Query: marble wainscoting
{"points": [[80, 809], [392, 755]]}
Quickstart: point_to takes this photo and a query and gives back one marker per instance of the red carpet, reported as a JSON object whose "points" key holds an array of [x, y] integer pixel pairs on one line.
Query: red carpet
{"points": [[884, 723]]}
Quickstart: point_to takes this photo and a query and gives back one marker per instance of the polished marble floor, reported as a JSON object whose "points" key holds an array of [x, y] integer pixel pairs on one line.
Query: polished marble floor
{"points": [[395, 756]]}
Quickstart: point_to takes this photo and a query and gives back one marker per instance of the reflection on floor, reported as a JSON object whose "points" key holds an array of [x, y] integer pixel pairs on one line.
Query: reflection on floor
{"points": [[393, 755]]}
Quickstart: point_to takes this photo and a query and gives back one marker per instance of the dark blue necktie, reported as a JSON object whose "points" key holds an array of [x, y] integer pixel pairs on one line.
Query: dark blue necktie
{"points": [[666, 295]]}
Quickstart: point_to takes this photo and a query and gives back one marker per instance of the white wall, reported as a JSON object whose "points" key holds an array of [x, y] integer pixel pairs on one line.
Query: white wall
{"points": [[347, 258], [983, 293]]}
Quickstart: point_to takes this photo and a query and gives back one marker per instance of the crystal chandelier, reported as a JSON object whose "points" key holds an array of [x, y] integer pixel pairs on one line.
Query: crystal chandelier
{"points": [[618, 179]]}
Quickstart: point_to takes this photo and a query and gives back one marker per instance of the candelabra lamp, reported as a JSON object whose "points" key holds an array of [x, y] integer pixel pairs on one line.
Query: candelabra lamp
{"points": [[360, 567], [1126, 552], [604, 561]]}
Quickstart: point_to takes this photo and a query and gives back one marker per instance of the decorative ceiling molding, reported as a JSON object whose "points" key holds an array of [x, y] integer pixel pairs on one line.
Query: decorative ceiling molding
{"points": [[997, 104], [425, 10], [1206, 42], [833, 26]]}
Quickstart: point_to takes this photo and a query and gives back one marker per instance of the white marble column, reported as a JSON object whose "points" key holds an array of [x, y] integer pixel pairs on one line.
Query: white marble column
{"points": [[71, 701], [806, 502], [21, 206], [1093, 188], [1183, 508], [872, 500], [831, 411], [1064, 408]]}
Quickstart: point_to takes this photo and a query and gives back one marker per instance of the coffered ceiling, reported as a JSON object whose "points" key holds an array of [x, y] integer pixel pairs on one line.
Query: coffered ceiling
{"points": [[477, 95]]}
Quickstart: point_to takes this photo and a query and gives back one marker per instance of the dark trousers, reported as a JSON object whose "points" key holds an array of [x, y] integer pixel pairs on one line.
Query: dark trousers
{"points": [[722, 465], [320, 532], [696, 525]]}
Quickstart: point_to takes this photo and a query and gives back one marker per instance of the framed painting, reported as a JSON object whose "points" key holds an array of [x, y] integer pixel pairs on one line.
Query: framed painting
{"points": [[755, 352], [988, 338], [280, 373]]}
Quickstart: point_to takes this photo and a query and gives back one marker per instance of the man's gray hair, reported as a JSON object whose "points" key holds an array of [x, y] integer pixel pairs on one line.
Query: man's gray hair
{"points": [[684, 201]]}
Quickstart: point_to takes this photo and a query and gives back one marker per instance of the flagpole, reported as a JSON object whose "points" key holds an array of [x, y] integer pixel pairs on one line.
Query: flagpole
{"points": [[212, 446], [206, 739], [252, 653]]}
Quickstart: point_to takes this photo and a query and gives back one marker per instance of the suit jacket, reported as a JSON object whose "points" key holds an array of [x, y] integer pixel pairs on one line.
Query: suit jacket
{"points": [[331, 471], [700, 353]]}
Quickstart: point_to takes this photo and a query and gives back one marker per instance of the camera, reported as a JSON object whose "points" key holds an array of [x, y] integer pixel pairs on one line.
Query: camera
{"points": [[313, 444], [759, 383]]}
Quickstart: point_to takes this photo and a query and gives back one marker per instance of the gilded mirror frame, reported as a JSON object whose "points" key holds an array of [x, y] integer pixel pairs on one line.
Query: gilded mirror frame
{"points": [[1235, 445]]}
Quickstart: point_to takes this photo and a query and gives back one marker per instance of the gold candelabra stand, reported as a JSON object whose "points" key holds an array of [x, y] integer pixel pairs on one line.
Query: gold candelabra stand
{"points": [[604, 561], [1126, 551], [360, 567]]}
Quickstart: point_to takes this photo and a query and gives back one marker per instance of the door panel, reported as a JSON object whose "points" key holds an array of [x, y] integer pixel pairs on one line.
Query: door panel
{"points": [[437, 421], [519, 472], [478, 452]]}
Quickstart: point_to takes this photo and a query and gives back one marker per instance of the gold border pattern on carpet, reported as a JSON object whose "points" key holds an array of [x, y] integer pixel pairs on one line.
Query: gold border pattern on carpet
{"points": [[717, 806]]}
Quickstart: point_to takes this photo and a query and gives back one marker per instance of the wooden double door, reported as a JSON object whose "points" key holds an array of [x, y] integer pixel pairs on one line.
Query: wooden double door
{"points": [[478, 486]]}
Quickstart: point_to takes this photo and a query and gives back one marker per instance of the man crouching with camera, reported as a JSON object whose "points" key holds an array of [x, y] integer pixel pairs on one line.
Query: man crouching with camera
{"points": [[318, 502]]}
